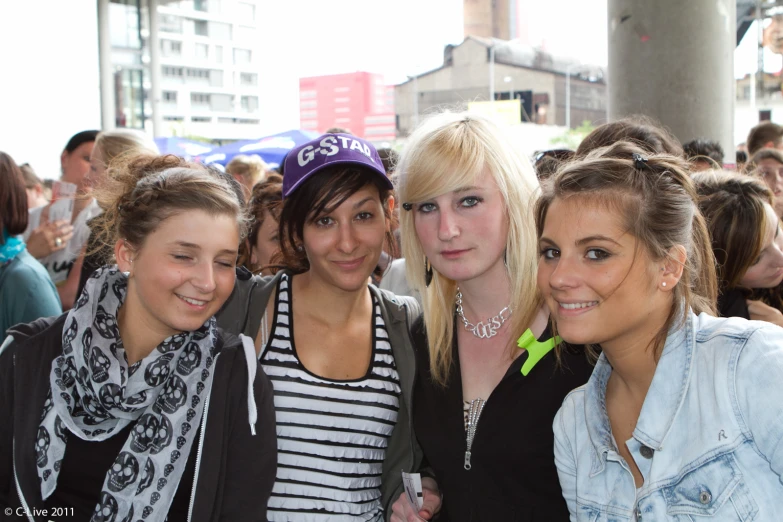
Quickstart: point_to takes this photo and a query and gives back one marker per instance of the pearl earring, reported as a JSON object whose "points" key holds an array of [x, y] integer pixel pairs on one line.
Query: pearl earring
{"points": [[663, 284]]}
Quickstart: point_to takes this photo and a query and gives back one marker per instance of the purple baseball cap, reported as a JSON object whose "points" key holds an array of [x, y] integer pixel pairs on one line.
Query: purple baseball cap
{"points": [[325, 151]]}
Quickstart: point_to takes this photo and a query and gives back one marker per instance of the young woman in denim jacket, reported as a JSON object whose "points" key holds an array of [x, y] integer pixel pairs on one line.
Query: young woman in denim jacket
{"points": [[682, 417]]}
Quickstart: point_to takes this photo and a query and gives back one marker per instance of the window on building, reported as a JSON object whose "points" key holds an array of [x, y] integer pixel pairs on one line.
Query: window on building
{"points": [[222, 103], [199, 98], [242, 56], [309, 124], [248, 79], [197, 73], [343, 120], [220, 31], [201, 119], [308, 104], [245, 121], [170, 96], [342, 100], [200, 5], [170, 48], [200, 28], [170, 24], [219, 53], [249, 103], [308, 114], [202, 51], [246, 11], [342, 109], [342, 89], [307, 94], [172, 118], [173, 72]]}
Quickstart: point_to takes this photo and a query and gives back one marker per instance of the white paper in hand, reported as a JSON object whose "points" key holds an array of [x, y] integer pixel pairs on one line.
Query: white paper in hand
{"points": [[413, 490]]}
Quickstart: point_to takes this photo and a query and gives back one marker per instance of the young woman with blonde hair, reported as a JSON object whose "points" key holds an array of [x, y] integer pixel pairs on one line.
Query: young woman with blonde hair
{"points": [[490, 379], [248, 171]]}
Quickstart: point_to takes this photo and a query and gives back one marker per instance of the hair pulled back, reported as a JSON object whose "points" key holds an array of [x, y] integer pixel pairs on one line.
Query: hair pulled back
{"points": [[734, 209], [657, 203], [143, 191]]}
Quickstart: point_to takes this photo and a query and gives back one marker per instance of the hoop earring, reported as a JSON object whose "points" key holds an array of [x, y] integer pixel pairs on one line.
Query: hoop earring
{"points": [[427, 271]]}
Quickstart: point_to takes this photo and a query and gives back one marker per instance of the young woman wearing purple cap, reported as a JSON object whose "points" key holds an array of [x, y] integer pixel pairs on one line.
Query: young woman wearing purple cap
{"points": [[338, 350], [491, 376]]}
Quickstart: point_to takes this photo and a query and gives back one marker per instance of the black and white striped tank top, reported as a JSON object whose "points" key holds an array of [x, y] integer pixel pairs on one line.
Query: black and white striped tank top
{"points": [[331, 435]]}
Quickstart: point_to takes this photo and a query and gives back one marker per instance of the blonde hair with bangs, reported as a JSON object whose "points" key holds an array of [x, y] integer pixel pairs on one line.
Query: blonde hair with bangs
{"points": [[447, 152]]}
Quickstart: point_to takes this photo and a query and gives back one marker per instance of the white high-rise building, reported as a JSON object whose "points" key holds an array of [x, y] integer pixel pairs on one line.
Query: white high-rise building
{"points": [[209, 67]]}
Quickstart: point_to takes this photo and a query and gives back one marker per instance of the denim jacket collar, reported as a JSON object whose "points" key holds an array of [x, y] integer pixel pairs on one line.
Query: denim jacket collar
{"points": [[664, 398]]}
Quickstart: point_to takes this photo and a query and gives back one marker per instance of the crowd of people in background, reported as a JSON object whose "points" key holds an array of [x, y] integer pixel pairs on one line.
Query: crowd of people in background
{"points": [[589, 334]]}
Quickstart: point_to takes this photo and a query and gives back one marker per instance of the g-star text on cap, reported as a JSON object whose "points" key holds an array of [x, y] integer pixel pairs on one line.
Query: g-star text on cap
{"points": [[330, 146]]}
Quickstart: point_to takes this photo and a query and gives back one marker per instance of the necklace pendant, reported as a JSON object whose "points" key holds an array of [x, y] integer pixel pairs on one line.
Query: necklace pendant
{"points": [[467, 460]]}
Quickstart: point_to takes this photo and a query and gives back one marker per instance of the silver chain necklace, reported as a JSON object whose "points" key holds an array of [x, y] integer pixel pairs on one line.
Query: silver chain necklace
{"points": [[483, 330]]}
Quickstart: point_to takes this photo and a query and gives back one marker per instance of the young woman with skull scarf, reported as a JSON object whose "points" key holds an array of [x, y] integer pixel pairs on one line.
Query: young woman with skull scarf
{"points": [[134, 405]]}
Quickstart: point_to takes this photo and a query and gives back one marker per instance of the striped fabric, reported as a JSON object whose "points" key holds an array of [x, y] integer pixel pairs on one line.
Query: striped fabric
{"points": [[331, 435]]}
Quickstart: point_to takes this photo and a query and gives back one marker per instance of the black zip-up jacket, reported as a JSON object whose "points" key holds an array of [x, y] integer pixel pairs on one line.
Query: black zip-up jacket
{"points": [[235, 472]]}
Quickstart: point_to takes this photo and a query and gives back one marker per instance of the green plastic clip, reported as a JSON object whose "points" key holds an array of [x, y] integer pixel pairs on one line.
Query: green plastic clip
{"points": [[535, 350]]}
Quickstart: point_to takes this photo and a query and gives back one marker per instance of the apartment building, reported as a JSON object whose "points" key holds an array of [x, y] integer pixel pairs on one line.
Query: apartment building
{"points": [[209, 63]]}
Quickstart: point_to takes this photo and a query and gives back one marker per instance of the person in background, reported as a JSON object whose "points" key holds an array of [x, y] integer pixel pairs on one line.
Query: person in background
{"points": [[134, 405], [109, 146], [765, 135], [682, 416], [767, 165], [263, 242], [337, 349], [53, 243], [744, 229], [644, 131], [248, 171], [546, 162], [26, 292], [36, 195], [490, 372], [703, 154]]}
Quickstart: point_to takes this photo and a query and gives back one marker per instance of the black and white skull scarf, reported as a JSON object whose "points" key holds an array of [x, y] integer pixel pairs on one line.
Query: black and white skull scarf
{"points": [[94, 393]]}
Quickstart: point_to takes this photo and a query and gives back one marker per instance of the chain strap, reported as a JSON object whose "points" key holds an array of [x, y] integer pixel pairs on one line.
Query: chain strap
{"points": [[483, 330]]}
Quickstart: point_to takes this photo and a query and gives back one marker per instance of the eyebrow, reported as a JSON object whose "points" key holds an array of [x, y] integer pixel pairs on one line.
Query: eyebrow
{"points": [[599, 237], [467, 189], [362, 202], [185, 244]]}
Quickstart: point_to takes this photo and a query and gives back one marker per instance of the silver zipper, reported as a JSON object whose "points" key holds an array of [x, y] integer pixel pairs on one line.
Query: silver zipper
{"points": [[476, 407], [200, 447], [18, 487]]}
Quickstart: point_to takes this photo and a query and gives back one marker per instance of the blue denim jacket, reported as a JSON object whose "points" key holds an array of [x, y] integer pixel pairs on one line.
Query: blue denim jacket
{"points": [[709, 439]]}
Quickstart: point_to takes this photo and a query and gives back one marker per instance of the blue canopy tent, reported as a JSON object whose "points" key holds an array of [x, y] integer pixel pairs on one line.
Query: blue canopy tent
{"points": [[271, 149], [181, 147]]}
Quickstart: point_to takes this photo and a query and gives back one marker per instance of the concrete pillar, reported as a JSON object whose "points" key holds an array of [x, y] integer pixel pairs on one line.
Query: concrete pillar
{"points": [[674, 60], [108, 110], [155, 69]]}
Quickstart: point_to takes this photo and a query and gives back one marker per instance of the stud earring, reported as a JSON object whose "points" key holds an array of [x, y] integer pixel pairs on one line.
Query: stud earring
{"points": [[663, 284], [427, 271]]}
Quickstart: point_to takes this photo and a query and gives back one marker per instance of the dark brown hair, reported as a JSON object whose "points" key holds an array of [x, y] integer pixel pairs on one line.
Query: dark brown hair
{"points": [[13, 198], [265, 201], [642, 131], [657, 202], [763, 133], [142, 191], [761, 155], [733, 206], [319, 195]]}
